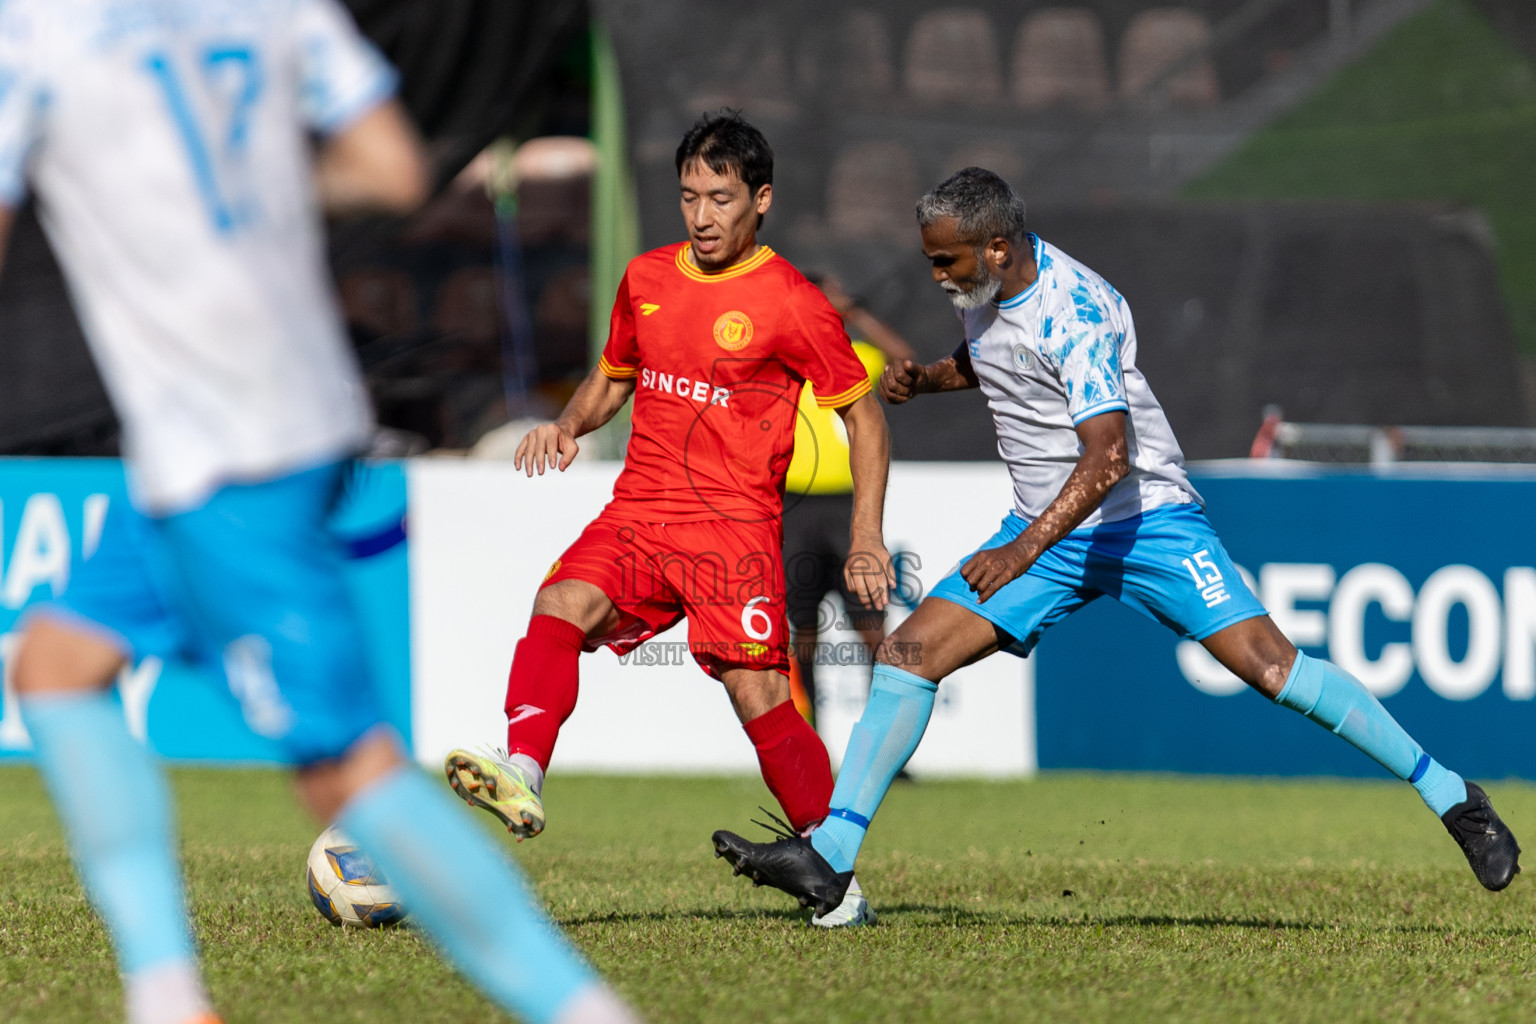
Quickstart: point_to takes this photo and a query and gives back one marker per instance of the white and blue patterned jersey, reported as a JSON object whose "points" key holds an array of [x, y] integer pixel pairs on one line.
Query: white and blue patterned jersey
{"points": [[1056, 354], [169, 145]]}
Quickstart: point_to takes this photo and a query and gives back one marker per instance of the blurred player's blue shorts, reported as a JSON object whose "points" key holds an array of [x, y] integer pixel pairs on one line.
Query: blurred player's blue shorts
{"points": [[249, 583], [1168, 564]]}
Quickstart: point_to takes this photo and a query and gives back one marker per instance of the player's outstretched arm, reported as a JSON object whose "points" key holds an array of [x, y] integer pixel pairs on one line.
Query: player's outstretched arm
{"points": [[375, 164], [868, 571], [595, 402], [904, 379], [1103, 464]]}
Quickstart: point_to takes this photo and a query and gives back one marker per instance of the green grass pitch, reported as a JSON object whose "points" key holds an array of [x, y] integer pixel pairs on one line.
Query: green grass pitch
{"points": [[1066, 898]]}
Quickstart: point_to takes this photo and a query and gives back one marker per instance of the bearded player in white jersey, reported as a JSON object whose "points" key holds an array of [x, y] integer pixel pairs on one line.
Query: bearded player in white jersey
{"points": [[1102, 505], [170, 145]]}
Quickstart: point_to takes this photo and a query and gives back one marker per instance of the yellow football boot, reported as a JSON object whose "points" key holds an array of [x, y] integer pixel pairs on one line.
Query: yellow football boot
{"points": [[485, 779]]}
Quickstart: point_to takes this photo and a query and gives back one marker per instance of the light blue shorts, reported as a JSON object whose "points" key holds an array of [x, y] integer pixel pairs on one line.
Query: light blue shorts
{"points": [[1168, 564], [250, 585]]}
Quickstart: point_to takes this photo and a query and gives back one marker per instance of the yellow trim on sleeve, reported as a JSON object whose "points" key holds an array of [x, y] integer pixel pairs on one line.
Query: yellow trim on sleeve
{"points": [[848, 397], [617, 372]]}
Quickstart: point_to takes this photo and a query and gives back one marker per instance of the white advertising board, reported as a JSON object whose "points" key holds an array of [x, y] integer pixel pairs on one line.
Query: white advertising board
{"points": [[483, 536]]}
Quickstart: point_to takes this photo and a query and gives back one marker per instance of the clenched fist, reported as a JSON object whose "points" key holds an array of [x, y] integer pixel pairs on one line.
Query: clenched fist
{"points": [[902, 379]]}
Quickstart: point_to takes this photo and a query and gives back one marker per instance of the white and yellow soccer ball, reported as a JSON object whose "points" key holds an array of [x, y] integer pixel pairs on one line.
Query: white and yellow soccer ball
{"points": [[345, 885]]}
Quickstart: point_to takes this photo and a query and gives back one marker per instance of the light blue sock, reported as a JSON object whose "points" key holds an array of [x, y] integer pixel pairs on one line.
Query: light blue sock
{"points": [[883, 739], [112, 799], [1339, 702], [466, 897]]}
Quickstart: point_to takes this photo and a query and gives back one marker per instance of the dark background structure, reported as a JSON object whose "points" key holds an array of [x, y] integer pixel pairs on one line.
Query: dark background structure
{"points": [[1335, 312], [1105, 113], [471, 71]]}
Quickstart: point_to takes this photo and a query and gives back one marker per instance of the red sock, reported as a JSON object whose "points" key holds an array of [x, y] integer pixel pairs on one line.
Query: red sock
{"points": [[541, 690], [795, 764]]}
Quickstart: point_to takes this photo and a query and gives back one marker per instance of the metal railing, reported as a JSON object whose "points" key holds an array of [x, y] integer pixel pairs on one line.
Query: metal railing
{"points": [[1384, 445]]}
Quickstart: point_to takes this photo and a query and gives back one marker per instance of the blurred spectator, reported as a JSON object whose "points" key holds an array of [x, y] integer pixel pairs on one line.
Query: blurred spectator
{"points": [[486, 286]]}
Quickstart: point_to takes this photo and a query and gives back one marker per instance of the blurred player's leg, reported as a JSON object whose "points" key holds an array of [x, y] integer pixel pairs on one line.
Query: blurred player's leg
{"points": [[113, 802], [263, 582], [469, 900]]}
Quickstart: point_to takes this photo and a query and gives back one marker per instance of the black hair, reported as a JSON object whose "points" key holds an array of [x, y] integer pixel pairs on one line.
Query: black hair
{"points": [[724, 142], [984, 206]]}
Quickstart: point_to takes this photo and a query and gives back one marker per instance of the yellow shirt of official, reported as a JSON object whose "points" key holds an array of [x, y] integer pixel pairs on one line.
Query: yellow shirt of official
{"points": [[820, 462]]}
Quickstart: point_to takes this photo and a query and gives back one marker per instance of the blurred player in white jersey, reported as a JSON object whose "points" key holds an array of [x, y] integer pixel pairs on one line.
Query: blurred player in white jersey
{"points": [[168, 143], [1102, 505]]}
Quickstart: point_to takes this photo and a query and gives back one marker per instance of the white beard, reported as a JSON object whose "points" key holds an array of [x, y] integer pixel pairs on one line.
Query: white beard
{"points": [[984, 292]]}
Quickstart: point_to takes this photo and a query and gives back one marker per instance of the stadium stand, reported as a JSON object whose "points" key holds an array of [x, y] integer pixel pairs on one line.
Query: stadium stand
{"points": [[1098, 109], [1165, 58], [1336, 313], [466, 307], [1058, 60], [471, 72], [952, 58], [380, 301], [870, 190], [864, 69]]}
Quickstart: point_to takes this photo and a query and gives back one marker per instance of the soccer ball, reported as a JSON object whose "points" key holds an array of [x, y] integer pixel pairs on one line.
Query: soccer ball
{"points": [[346, 887]]}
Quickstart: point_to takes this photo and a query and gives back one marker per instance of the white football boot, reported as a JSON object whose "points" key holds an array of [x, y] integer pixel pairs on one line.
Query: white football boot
{"points": [[853, 912]]}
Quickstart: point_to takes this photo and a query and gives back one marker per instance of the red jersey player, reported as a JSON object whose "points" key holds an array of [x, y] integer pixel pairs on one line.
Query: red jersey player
{"points": [[714, 337]]}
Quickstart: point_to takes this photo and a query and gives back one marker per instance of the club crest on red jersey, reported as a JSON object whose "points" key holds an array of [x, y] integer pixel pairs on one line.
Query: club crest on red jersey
{"points": [[733, 330]]}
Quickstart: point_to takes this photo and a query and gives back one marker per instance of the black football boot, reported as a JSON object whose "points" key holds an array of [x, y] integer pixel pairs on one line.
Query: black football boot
{"points": [[789, 863], [1488, 843]]}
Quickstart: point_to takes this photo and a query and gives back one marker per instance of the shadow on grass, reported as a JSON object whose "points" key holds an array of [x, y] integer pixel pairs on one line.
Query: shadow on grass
{"points": [[922, 915], [663, 916]]}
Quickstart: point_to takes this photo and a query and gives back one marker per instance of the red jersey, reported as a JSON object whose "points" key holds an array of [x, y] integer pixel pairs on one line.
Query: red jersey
{"points": [[718, 361]]}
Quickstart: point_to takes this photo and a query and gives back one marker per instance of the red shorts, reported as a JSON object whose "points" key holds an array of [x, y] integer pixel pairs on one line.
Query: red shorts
{"points": [[725, 576]]}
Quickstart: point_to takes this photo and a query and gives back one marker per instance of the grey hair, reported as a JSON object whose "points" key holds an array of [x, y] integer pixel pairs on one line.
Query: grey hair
{"points": [[984, 206]]}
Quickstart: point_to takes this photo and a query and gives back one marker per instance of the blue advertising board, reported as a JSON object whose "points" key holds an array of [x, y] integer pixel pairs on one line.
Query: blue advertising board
{"points": [[1421, 584], [51, 516]]}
